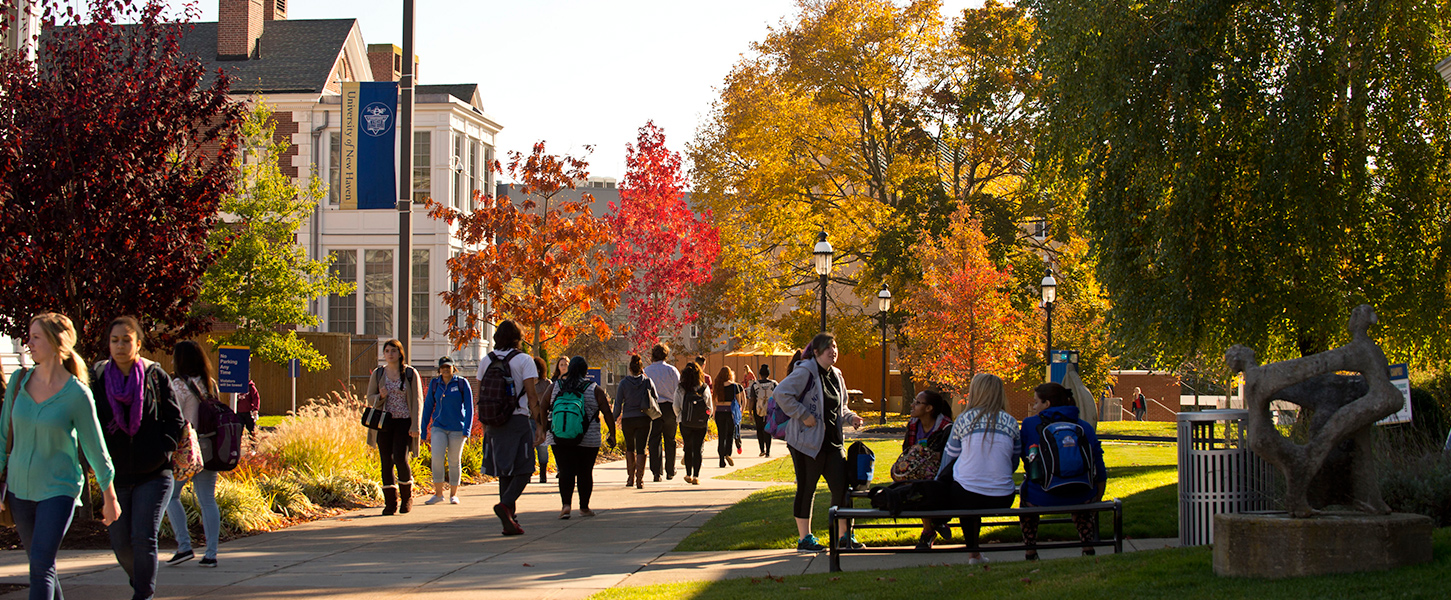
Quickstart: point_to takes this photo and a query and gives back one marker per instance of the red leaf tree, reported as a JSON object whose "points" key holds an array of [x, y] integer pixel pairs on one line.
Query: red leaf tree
{"points": [[671, 249], [546, 269], [115, 153]]}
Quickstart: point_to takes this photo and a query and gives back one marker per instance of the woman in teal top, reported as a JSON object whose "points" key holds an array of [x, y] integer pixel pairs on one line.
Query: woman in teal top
{"points": [[47, 411]]}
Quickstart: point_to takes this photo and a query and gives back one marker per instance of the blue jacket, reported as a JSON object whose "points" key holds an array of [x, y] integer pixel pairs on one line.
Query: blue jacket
{"points": [[1035, 494], [449, 407]]}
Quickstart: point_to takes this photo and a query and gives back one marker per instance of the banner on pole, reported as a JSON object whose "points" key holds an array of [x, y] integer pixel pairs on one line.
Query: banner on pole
{"points": [[369, 144]]}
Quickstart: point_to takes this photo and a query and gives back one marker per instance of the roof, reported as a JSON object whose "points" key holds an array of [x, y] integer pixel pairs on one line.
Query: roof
{"points": [[296, 56], [468, 93]]}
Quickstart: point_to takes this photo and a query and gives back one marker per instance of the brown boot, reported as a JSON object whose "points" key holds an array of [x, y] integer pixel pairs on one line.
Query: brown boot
{"points": [[405, 497], [390, 500], [629, 469], [640, 471]]}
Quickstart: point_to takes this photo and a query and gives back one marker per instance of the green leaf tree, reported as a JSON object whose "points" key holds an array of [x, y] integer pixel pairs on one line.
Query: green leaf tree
{"points": [[264, 280]]}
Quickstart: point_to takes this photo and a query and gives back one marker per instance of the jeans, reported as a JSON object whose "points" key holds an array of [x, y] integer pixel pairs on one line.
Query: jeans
{"points": [[694, 438], [541, 452], [725, 427], [444, 444], [828, 464], [133, 536], [662, 440], [204, 484], [576, 465], [42, 525], [393, 442]]}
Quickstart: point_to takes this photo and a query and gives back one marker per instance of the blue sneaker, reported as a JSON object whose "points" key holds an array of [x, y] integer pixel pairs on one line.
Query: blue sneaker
{"points": [[848, 542], [809, 544]]}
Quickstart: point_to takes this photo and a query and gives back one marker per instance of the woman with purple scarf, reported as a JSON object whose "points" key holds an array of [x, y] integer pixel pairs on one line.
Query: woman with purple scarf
{"points": [[142, 425]]}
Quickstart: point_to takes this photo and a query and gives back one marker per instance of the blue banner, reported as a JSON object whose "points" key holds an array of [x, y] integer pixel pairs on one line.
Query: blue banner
{"points": [[369, 145], [234, 364]]}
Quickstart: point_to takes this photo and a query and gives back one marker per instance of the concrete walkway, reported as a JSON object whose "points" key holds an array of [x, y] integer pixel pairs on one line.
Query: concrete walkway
{"points": [[456, 551]]}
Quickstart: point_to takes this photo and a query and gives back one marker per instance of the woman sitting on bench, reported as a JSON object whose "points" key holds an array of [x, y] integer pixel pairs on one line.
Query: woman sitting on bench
{"points": [[982, 453], [1072, 475]]}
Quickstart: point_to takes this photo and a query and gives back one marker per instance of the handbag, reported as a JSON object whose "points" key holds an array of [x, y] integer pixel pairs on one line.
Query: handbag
{"points": [[652, 404], [922, 460], [186, 462], [7, 517], [375, 418]]}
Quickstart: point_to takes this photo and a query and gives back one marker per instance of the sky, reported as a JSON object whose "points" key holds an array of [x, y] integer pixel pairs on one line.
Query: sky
{"points": [[574, 73]]}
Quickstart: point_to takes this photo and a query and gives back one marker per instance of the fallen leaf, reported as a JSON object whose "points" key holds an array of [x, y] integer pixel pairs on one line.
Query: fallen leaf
{"points": [[834, 579], [528, 565], [805, 588], [1026, 580], [1033, 571]]}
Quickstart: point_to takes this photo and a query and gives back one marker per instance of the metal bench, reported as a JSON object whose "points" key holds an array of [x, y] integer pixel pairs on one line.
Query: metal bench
{"points": [[852, 515]]}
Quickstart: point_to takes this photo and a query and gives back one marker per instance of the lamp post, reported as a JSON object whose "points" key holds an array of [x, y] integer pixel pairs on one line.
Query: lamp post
{"points": [[884, 304], [1050, 294], [823, 252]]}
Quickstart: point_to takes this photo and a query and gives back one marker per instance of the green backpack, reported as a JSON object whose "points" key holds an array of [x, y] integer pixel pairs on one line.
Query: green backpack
{"points": [[567, 420]]}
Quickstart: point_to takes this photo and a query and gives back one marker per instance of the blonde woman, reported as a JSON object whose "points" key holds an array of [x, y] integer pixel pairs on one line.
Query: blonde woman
{"points": [[981, 454], [49, 408]]}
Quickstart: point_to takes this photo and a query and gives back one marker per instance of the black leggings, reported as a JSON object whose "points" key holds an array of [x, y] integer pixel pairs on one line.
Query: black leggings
{"points": [[694, 438], [725, 427], [576, 464], [828, 463], [763, 436], [637, 433], [393, 442], [962, 499]]}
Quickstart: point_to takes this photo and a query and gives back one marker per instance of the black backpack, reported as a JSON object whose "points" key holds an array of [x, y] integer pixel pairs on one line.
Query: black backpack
{"points": [[695, 412], [860, 464], [909, 495], [498, 392], [219, 432]]}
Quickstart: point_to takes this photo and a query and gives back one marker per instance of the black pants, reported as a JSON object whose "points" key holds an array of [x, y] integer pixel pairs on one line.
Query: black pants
{"points": [[829, 463], [762, 436], [248, 422], [576, 466], [637, 433], [662, 440], [694, 438], [393, 442], [960, 498], [725, 427]]}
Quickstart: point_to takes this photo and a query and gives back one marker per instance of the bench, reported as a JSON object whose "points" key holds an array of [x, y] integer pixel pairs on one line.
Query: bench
{"points": [[852, 515]]}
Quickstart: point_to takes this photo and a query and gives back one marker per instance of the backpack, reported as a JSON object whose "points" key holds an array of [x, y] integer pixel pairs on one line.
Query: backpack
{"points": [[219, 432], [1068, 468], [860, 463], [761, 392], [498, 394], [776, 418], [909, 495], [567, 419], [695, 412]]}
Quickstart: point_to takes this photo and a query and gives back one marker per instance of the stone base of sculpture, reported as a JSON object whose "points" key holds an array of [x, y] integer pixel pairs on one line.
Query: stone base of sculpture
{"points": [[1276, 546]]}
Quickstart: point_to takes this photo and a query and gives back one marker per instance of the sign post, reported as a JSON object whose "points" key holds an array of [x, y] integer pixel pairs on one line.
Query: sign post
{"points": [[234, 364], [294, 370]]}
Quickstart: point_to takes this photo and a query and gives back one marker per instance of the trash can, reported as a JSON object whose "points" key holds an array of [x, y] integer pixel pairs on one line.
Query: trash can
{"points": [[1217, 472]]}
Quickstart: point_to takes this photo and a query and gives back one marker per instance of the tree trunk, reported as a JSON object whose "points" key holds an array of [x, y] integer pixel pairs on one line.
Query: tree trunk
{"points": [[909, 391]]}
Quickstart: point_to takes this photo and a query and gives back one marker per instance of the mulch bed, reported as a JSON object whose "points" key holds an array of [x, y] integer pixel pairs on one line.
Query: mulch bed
{"points": [[84, 534]]}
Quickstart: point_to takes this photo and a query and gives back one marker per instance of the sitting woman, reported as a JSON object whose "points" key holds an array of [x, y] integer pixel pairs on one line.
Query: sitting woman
{"points": [[982, 454], [929, 426], [1052, 403]]}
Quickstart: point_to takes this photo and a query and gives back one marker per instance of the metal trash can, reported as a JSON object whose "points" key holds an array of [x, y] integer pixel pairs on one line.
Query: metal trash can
{"points": [[1217, 472]]}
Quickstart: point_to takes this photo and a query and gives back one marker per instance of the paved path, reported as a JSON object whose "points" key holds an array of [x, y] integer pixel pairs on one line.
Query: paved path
{"points": [[457, 552]]}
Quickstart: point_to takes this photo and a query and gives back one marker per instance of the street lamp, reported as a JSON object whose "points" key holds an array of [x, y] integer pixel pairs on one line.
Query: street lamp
{"points": [[884, 304], [1050, 294], [823, 254]]}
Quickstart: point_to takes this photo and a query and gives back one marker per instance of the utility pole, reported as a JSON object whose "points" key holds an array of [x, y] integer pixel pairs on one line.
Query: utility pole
{"points": [[403, 322]]}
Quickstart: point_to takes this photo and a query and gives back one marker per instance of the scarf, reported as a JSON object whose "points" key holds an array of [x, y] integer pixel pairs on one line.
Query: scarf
{"points": [[124, 392]]}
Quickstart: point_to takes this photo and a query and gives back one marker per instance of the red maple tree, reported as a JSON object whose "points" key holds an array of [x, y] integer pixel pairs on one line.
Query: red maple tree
{"points": [[546, 269], [115, 154], [670, 248]]}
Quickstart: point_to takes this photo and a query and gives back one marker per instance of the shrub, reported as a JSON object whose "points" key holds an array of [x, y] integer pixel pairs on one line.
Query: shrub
{"points": [[285, 496], [1420, 485], [325, 437], [339, 490]]}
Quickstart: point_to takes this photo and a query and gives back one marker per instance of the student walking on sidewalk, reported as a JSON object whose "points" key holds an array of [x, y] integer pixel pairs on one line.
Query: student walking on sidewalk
{"points": [[448, 417], [662, 432], [143, 425], [633, 398], [395, 388], [191, 385], [727, 406], [814, 397], [575, 449], [509, 448], [694, 400], [759, 394], [48, 411]]}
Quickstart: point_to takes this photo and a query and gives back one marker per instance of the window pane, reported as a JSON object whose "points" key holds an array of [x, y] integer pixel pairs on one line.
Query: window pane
{"points": [[422, 166], [458, 174], [473, 167], [342, 311], [335, 171], [419, 304], [378, 292]]}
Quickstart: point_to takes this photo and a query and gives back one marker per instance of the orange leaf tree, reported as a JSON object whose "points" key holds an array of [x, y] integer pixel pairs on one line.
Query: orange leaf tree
{"points": [[539, 261], [961, 319]]}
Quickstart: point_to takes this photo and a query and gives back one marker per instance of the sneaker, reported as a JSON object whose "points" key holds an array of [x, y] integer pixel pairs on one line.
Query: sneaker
{"points": [[809, 544], [433, 500], [453, 499], [181, 557], [848, 542], [209, 563]]}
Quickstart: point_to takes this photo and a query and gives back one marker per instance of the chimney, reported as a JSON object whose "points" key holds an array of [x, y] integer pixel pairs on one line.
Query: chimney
{"points": [[239, 28], [386, 61], [276, 10]]}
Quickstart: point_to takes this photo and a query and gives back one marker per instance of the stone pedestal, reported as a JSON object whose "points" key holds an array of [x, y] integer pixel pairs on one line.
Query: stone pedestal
{"points": [[1274, 546]]}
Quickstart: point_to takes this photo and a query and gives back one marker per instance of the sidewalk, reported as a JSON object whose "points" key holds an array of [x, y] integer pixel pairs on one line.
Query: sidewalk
{"points": [[456, 551]]}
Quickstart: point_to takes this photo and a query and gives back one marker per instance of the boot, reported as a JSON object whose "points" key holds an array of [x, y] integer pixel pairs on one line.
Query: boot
{"points": [[390, 500], [629, 469], [639, 471], [405, 497]]}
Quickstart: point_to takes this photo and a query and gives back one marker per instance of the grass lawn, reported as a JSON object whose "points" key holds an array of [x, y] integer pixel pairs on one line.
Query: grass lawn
{"points": [[270, 420], [1145, 476], [1155, 428], [1174, 574]]}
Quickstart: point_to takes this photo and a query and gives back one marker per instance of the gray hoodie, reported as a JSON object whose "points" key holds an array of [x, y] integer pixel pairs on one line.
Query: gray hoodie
{"points": [[808, 440]]}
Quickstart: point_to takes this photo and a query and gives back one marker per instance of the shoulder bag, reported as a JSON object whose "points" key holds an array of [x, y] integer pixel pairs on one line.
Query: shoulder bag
{"points": [[652, 402], [376, 418], [7, 517]]}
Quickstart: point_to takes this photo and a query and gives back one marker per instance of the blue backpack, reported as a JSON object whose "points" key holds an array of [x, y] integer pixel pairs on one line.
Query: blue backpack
{"points": [[860, 465], [1068, 468]]}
